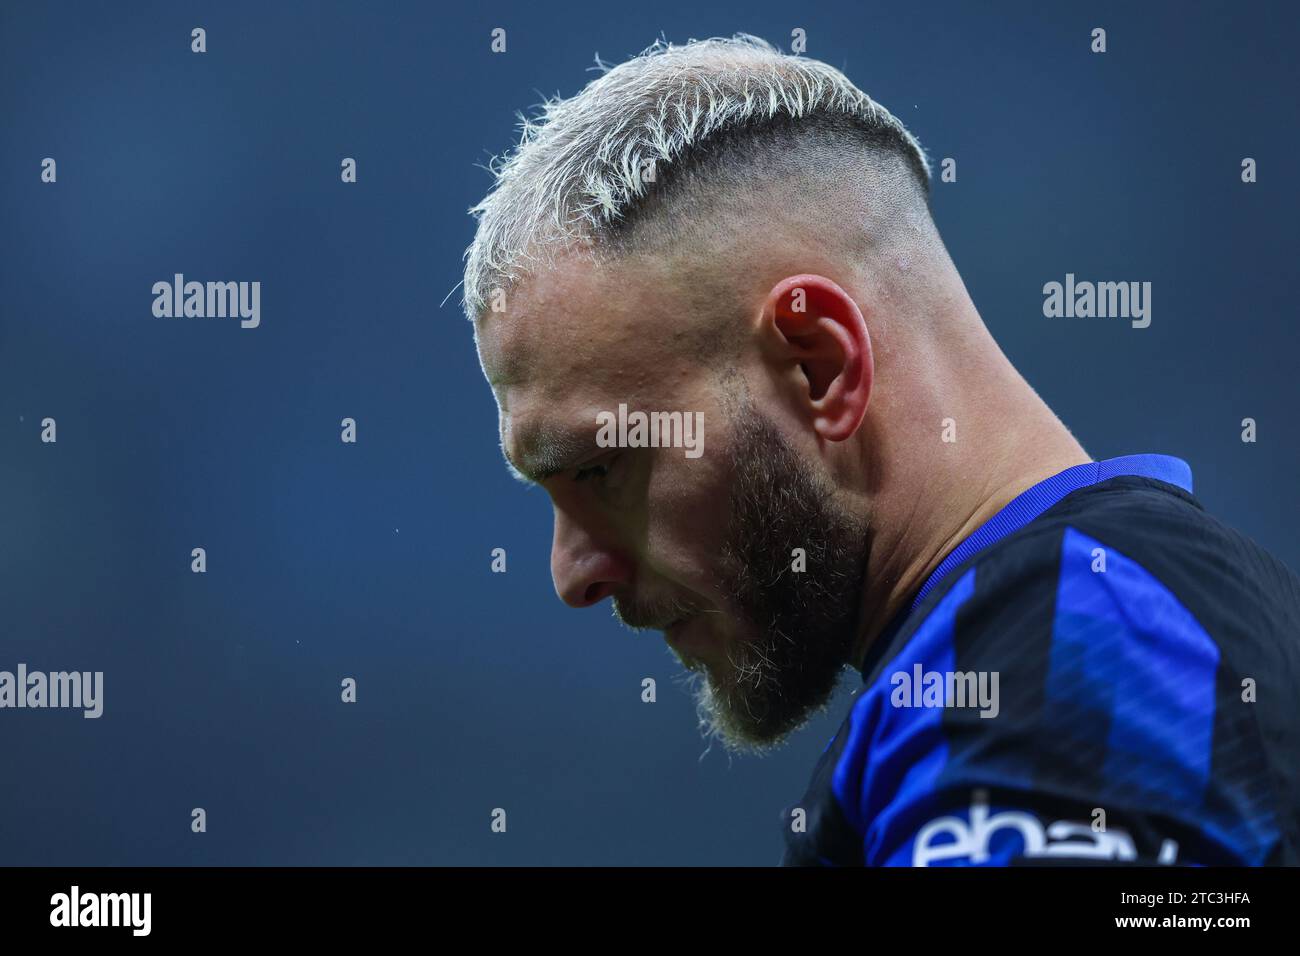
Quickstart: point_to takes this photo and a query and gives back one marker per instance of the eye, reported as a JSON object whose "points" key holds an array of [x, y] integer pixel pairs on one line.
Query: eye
{"points": [[591, 471], [599, 471]]}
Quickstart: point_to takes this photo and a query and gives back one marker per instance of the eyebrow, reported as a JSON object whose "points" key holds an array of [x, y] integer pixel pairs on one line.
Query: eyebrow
{"points": [[547, 452]]}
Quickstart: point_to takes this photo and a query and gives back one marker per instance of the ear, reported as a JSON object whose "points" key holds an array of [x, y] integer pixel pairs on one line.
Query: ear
{"points": [[814, 328]]}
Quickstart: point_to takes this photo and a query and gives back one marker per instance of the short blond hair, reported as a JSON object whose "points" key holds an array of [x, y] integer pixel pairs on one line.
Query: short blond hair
{"points": [[581, 163]]}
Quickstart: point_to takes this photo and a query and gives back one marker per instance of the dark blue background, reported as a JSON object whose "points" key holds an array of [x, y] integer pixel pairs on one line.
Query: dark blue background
{"points": [[371, 560]]}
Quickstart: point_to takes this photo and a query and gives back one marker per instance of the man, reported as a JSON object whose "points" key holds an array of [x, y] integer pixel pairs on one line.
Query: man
{"points": [[1062, 659]]}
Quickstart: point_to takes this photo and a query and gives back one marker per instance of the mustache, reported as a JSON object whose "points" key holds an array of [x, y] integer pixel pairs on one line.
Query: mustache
{"points": [[652, 615]]}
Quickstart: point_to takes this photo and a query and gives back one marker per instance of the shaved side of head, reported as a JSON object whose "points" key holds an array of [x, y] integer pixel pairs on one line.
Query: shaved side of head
{"points": [[825, 187]]}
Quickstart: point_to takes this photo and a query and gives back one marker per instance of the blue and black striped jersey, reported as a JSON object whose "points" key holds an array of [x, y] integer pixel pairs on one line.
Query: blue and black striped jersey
{"points": [[1102, 672]]}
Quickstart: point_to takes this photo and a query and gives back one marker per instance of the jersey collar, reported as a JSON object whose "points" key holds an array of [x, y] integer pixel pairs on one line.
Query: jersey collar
{"points": [[1031, 503]]}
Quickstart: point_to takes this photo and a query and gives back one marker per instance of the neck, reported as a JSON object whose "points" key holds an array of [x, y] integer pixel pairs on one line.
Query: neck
{"points": [[1009, 441]]}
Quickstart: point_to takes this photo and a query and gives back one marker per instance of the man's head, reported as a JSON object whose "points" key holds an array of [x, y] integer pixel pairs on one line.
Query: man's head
{"points": [[720, 229]]}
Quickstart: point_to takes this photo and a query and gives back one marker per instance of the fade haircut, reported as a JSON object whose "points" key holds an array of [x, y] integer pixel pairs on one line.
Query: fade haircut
{"points": [[655, 151]]}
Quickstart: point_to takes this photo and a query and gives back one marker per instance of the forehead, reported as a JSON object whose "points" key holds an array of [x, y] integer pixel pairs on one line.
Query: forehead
{"points": [[582, 326], [579, 338]]}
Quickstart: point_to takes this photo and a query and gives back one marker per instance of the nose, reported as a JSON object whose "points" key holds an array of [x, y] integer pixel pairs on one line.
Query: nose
{"points": [[585, 570]]}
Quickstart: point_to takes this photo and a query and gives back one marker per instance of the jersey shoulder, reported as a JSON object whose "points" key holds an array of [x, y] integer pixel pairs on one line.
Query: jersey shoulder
{"points": [[1089, 666]]}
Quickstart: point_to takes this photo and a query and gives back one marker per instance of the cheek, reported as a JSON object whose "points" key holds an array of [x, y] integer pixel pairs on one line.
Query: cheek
{"points": [[687, 508]]}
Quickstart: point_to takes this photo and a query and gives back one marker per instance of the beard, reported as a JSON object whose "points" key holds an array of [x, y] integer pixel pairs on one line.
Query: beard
{"points": [[798, 627]]}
